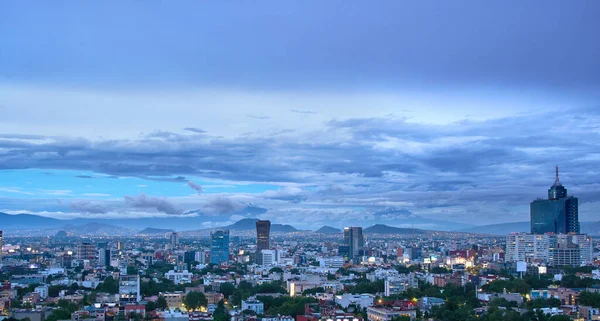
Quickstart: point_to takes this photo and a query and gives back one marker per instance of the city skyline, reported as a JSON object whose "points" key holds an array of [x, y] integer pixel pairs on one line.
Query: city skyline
{"points": [[403, 114]]}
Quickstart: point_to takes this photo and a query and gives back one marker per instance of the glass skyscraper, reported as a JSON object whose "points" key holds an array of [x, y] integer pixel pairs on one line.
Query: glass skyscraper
{"points": [[557, 214], [353, 240], [219, 247]]}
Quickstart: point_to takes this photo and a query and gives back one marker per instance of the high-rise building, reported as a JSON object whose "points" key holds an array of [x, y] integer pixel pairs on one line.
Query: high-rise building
{"points": [[558, 214], [0, 247], [263, 232], [104, 256], [219, 247], [554, 249], [86, 251], [529, 248], [353, 239], [174, 240]]}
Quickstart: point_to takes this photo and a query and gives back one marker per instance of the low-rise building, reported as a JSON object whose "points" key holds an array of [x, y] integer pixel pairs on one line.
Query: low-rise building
{"points": [[253, 305]]}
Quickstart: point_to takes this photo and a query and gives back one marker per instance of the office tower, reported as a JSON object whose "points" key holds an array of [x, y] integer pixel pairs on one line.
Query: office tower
{"points": [[557, 214], [0, 247], [263, 231], [174, 240], [219, 247], [104, 256], [353, 239], [86, 251]]}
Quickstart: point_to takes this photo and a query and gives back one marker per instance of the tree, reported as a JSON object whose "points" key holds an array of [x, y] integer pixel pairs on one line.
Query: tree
{"points": [[589, 298], [109, 285], [132, 270], [439, 270], [276, 270], [161, 303], [195, 300], [227, 289], [221, 313], [150, 306]]}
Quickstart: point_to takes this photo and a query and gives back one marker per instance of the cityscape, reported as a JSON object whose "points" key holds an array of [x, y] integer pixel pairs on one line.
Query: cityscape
{"points": [[300, 161]]}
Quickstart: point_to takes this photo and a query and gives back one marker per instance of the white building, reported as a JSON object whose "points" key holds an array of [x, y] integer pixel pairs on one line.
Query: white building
{"points": [[400, 283], [253, 305], [523, 247], [361, 300], [179, 276], [387, 314], [129, 289], [270, 257], [331, 262], [42, 290]]}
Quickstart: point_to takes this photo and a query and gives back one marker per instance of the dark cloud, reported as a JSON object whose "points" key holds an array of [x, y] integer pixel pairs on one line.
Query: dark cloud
{"points": [[88, 207], [222, 205], [195, 130], [305, 112], [83, 176], [258, 117], [370, 162], [160, 204], [195, 187], [289, 194]]}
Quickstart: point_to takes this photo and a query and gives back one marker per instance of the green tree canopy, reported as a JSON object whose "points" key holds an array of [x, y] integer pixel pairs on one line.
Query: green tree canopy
{"points": [[195, 300]]}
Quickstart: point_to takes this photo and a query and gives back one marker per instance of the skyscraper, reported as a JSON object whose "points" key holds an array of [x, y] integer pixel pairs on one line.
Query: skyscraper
{"points": [[219, 247], [174, 240], [557, 214], [353, 239], [263, 231], [0, 247]]}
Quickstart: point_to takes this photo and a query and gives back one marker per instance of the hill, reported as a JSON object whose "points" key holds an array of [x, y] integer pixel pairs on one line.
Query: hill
{"points": [[250, 224], [328, 230], [28, 221], [152, 230], [385, 229]]}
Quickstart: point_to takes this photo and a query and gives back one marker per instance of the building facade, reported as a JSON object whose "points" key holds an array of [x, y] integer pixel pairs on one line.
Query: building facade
{"points": [[86, 251], [263, 237], [353, 239], [129, 289], [558, 214], [219, 247]]}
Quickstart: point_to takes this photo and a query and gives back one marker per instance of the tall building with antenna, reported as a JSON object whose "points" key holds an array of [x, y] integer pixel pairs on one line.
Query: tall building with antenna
{"points": [[558, 214]]}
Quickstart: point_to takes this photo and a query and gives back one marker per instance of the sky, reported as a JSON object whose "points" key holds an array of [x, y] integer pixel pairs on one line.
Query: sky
{"points": [[321, 112]]}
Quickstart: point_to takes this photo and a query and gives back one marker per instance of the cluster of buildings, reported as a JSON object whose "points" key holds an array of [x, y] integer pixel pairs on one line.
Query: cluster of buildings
{"points": [[328, 268], [555, 238]]}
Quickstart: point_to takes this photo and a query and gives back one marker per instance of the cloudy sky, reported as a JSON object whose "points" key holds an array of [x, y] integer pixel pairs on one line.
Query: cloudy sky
{"points": [[319, 111]]}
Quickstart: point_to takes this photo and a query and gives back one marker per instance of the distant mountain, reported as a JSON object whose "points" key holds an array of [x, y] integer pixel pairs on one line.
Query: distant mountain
{"points": [[250, 224], [407, 219], [28, 221], [328, 230], [192, 221], [384, 229], [152, 230], [592, 228], [499, 229], [90, 229]]}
